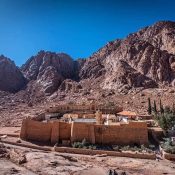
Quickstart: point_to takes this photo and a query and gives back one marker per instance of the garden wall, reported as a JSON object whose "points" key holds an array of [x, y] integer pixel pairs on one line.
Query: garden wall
{"points": [[166, 155], [108, 153], [169, 156]]}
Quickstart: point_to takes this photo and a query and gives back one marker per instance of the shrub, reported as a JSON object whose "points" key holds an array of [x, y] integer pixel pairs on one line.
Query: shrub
{"points": [[166, 117], [152, 147], [116, 148], [168, 146], [135, 148], [84, 143], [142, 147], [125, 148], [94, 147], [76, 145]]}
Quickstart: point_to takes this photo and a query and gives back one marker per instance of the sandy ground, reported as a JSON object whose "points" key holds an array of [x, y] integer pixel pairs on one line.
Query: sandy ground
{"points": [[14, 131]]}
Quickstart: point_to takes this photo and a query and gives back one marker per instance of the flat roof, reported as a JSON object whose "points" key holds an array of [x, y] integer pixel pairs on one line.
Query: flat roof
{"points": [[85, 120]]}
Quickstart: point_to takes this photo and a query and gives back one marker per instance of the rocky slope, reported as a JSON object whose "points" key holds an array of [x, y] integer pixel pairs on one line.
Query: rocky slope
{"points": [[138, 64], [161, 35], [11, 78], [145, 59], [48, 70]]}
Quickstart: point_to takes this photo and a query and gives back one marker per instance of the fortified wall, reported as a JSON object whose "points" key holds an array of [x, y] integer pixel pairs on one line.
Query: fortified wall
{"points": [[50, 132], [120, 134], [59, 132]]}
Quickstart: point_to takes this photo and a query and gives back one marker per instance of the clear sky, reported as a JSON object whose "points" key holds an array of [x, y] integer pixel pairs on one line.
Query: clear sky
{"points": [[76, 27]]}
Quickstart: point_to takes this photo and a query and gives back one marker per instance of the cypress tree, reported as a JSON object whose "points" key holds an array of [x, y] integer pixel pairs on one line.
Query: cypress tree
{"points": [[167, 110], [155, 107], [149, 106], [161, 107], [173, 109]]}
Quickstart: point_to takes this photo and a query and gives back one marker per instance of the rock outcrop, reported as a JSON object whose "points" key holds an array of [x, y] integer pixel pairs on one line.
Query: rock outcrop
{"points": [[93, 66], [143, 59], [161, 35], [69, 85], [49, 70], [11, 78]]}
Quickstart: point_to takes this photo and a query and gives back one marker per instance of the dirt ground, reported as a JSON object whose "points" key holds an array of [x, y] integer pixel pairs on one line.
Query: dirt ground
{"points": [[64, 164], [12, 111], [53, 163], [8, 168]]}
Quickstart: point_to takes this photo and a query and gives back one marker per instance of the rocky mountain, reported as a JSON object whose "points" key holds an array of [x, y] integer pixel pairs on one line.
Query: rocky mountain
{"points": [[11, 78], [49, 70], [161, 35], [144, 59], [93, 66]]}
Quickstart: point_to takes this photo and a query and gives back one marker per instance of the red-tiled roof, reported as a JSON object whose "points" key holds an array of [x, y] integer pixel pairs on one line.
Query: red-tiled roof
{"points": [[127, 113]]}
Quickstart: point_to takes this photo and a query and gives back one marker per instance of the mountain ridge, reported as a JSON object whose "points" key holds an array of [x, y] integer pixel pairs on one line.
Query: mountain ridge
{"points": [[143, 59]]}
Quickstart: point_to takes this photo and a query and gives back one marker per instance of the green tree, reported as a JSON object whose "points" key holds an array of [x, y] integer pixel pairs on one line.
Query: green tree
{"points": [[170, 118], [149, 106], [167, 110], [163, 122], [161, 107], [166, 117], [173, 109], [155, 107]]}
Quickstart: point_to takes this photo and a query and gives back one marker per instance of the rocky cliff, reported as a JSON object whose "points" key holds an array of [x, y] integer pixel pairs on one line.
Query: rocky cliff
{"points": [[11, 78], [161, 35], [49, 69], [143, 59]]}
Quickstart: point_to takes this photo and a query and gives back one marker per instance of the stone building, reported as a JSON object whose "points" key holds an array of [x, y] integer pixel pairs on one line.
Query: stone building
{"points": [[134, 132], [85, 122]]}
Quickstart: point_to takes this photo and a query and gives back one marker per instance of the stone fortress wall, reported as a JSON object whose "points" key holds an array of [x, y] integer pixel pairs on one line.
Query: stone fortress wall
{"points": [[122, 134], [58, 132]]}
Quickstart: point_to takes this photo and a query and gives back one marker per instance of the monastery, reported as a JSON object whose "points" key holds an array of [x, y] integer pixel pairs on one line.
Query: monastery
{"points": [[66, 124]]}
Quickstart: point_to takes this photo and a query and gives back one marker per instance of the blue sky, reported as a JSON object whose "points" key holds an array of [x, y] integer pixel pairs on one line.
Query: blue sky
{"points": [[76, 27]]}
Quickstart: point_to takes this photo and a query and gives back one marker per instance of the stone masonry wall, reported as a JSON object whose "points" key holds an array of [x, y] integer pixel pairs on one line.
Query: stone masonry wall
{"points": [[122, 134], [45, 132], [37, 131]]}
